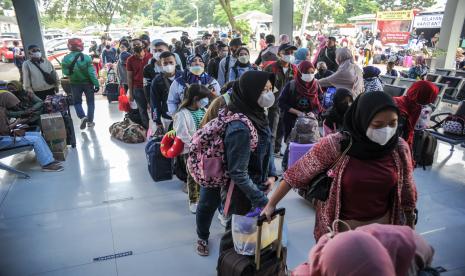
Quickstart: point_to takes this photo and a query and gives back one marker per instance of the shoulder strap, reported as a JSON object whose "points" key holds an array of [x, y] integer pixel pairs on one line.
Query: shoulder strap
{"points": [[227, 98], [226, 68], [38, 67], [73, 63]]}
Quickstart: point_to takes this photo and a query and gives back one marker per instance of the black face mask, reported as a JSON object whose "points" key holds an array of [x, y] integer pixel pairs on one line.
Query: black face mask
{"points": [[138, 49], [321, 71], [108, 47]]}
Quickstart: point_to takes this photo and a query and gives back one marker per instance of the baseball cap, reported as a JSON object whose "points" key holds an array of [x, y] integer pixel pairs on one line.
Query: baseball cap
{"points": [[286, 46]]}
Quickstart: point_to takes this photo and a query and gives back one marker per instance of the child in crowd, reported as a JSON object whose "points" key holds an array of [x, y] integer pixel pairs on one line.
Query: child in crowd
{"points": [[185, 123]]}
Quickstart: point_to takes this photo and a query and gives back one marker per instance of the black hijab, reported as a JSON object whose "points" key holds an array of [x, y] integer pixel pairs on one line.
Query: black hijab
{"points": [[357, 120], [335, 115], [245, 96]]}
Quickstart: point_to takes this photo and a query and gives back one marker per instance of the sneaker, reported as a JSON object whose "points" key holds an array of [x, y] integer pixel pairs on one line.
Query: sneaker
{"points": [[184, 188], [193, 207], [84, 121], [90, 124], [202, 247], [223, 220], [53, 167]]}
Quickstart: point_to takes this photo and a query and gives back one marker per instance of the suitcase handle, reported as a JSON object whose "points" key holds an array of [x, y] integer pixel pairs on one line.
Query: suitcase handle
{"points": [[258, 248]]}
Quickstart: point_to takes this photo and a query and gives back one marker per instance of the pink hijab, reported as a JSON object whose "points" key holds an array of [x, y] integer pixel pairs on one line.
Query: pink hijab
{"points": [[322, 40], [374, 249]]}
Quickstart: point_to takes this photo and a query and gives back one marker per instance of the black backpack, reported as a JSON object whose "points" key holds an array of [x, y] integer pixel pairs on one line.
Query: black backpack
{"points": [[424, 148]]}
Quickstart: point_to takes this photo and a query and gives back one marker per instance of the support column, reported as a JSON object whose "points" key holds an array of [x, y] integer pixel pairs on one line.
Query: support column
{"points": [[27, 15], [283, 14], [451, 29]]}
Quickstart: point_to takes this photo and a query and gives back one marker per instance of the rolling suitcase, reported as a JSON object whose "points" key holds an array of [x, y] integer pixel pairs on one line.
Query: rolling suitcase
{"points": [[112, 92], [267, 261], [160, 168], [296, 151]]}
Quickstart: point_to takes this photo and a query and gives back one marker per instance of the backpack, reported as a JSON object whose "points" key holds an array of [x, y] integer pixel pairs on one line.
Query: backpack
{"points": [[328, 97], [206, 161], [424, 148], [128, 132], [424, 118], [454, 124], [159, 167], [305, 130]]}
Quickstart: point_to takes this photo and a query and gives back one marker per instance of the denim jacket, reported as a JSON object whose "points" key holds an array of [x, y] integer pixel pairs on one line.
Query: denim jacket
{"points": [[249, 170]]}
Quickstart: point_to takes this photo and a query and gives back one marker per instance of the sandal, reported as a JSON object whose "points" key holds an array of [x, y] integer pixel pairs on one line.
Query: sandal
{"points": [[202, 247]]}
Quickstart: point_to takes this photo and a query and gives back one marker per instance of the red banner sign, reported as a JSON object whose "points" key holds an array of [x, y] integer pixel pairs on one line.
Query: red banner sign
{"points": [[395, 37]]}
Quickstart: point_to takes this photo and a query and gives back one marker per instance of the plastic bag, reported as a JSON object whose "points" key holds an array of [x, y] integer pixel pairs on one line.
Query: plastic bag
{"points": [[123, 101], [305, 130], [244, 233]]}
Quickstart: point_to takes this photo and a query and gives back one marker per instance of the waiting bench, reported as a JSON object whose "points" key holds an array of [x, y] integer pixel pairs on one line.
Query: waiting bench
{"points": [[10, 152]]}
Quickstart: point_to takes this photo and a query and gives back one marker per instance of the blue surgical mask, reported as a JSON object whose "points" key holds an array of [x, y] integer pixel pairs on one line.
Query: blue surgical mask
{"points": [[203, 102]]}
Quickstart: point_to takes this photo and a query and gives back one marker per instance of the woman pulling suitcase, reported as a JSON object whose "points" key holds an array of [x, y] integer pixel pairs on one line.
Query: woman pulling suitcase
{"points": [[369, 166]]}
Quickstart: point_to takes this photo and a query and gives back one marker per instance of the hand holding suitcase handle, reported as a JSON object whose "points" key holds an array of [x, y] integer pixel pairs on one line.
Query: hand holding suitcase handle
{"points": [[281, 212]]}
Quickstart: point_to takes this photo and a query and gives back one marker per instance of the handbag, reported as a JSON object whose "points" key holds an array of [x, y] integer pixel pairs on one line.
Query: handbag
{"points": [[49, 78], [320, 185]]}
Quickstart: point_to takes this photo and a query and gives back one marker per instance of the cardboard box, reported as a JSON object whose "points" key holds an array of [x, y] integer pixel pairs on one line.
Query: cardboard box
{"points": [[60, 155], [53, 126], [57, 145]]}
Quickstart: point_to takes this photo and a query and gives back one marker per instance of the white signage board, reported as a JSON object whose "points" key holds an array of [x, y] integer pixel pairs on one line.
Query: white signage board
{"points": [[427, 21]]}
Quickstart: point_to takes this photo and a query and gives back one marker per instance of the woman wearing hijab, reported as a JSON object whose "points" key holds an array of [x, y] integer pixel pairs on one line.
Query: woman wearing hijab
{"points": [[348, 75], [252, 173], [372, 183], [301, 55], [371, 79], [334, 117], [410, 105], [29, 107], [419, 70], [242, 64], [300, 96], [322, 44], [385, 250]]}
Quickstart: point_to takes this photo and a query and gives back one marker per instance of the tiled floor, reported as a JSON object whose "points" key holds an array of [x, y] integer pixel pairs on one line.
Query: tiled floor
{"points": [[105, 203]]}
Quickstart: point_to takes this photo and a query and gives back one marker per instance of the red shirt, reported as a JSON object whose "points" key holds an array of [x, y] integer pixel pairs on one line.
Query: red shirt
{"points": [[136, 66], [368, 188]]}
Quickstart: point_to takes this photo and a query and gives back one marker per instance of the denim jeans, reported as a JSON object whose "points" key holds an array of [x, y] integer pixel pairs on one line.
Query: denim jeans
{"points": [[141, 100], [88, 90], [43, 154], [210, 199]]}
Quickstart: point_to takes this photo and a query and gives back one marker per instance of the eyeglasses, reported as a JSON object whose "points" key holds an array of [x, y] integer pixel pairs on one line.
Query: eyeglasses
{"points": [[35, 50]]}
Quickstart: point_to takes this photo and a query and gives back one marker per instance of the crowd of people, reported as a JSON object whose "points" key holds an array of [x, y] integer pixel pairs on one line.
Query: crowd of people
{"points": [[180, 87]]}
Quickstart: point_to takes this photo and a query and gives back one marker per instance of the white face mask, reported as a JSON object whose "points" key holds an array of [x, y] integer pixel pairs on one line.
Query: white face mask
{"points": [[288, 58], [266, 100], [203, 102], [36, 55], [243, 59], [308, 77], [196, 70], [169, 68], [381, 135], [156, 55]]}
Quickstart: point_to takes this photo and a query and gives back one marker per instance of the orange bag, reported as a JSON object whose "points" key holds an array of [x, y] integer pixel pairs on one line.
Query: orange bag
{"points": [[123, 100]]}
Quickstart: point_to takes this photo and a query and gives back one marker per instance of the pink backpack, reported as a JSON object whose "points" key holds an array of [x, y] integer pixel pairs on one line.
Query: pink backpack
{"points": [[206, 161]]}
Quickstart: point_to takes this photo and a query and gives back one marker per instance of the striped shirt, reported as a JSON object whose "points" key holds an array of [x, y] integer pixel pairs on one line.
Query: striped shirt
{"points": [[197, 115]]}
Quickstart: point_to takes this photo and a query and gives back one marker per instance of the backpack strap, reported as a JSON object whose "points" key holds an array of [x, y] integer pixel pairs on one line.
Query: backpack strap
{"points": [[73, 63], [226, 68], [227, 204], [227, 99]]}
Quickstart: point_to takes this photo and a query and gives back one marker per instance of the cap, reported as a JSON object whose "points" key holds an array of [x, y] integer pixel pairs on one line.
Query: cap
{"points": [[236, 42], [32, 46], [286, 46]]}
